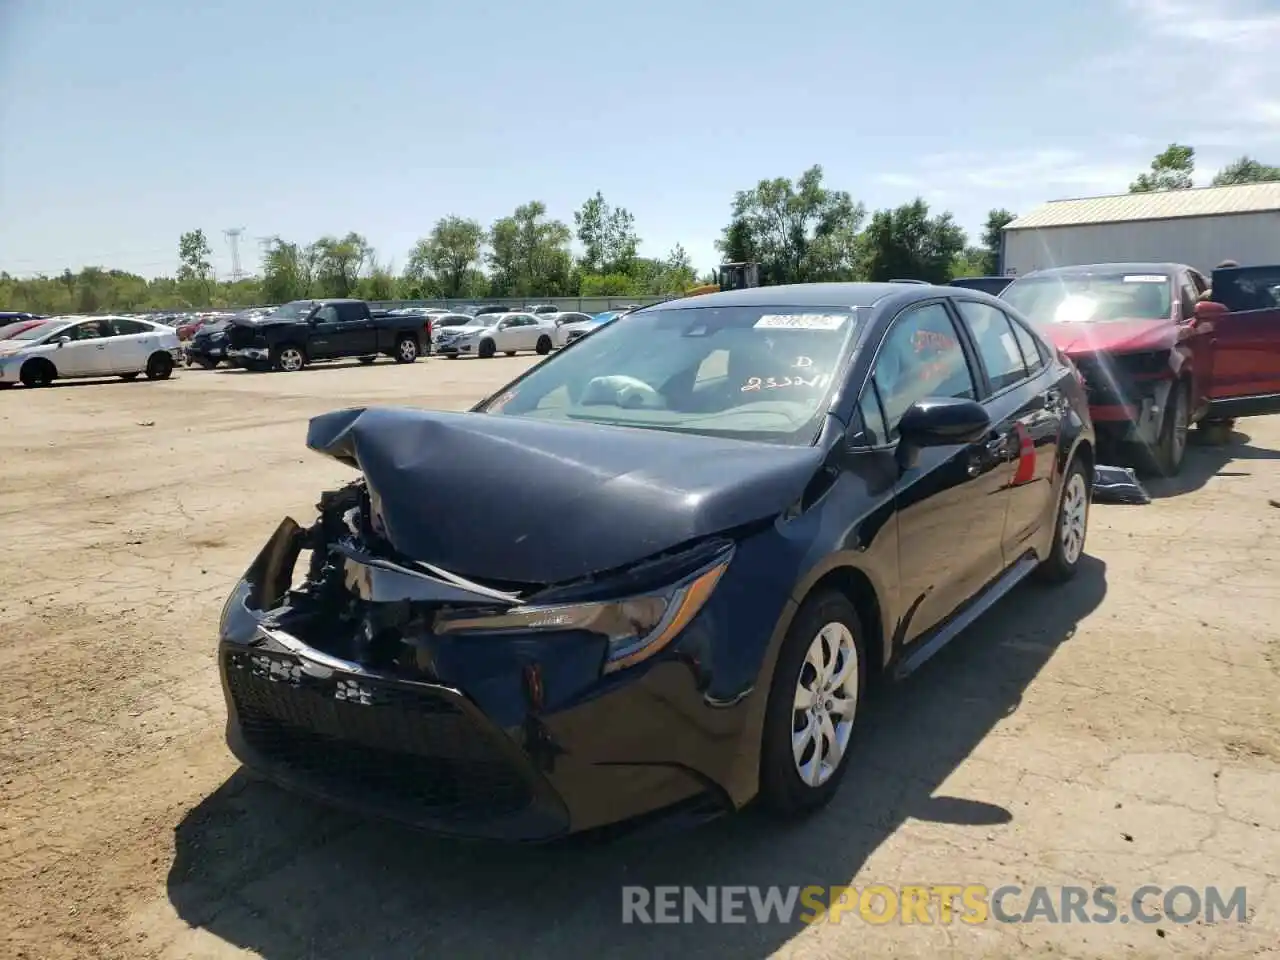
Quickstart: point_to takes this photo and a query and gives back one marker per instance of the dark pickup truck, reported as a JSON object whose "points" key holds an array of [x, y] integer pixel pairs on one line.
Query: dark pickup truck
{"points": [[307, 331]]}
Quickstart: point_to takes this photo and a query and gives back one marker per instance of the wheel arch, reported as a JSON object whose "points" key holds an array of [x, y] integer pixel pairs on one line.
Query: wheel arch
{"points": [[854, 584]]}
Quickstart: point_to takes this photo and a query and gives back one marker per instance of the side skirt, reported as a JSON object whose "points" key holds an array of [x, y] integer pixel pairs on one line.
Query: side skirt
{"points": [[923, 649]]}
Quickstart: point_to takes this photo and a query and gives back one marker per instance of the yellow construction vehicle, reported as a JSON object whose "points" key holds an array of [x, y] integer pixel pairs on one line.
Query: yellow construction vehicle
{"points": [[733, 276]]}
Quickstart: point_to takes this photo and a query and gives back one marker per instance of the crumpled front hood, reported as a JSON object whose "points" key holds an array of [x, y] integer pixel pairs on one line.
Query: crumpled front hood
{"points": [[529, 501], [1112, 336]]}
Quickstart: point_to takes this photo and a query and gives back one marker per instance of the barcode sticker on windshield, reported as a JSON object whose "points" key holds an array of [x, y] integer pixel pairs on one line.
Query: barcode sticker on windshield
{"points": [[801, 321], [1146, 278]]}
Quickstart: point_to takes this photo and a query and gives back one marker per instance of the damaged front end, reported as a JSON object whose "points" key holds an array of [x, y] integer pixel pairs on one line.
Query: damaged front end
{"points": [[374, 680]]}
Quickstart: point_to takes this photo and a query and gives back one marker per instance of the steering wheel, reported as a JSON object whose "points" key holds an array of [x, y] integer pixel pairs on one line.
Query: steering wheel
{"points": [[622, 391]]}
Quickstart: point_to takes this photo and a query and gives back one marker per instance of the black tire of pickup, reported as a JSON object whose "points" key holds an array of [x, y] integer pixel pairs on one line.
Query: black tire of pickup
{"points": [[288, 357], [406, 349]]}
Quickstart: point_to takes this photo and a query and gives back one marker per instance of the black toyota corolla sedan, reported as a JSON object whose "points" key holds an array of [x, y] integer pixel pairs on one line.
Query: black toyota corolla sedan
{"points": [[656, 572]]}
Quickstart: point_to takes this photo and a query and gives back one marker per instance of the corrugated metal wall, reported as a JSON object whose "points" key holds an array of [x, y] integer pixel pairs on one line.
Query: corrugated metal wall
{"points": [[1202, 242]]}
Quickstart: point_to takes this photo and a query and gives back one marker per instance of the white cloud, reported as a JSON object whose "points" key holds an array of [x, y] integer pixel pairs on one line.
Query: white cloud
{"points": [[1214, 60], [1209, 69]]}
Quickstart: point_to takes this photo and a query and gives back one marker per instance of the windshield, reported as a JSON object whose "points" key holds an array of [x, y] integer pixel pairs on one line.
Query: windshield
{"points": [[297, 310], [755, 373], [38, 331], [9, 329], [454, 320], [1092, 297]]}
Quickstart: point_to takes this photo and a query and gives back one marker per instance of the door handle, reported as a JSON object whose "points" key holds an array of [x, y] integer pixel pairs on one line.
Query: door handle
{"points": [[999, 446]]}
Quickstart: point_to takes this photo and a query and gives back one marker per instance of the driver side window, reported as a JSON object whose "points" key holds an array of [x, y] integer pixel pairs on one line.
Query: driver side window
{"points": [[327, 314], [921, 357]]}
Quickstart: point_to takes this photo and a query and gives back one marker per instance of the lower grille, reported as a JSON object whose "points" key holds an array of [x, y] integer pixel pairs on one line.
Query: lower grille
{"points": [[369, 741], [1122, 380]]}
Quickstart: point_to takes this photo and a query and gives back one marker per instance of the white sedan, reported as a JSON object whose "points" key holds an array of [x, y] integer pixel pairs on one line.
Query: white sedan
{"points": [[70, 347], [493, 333]]}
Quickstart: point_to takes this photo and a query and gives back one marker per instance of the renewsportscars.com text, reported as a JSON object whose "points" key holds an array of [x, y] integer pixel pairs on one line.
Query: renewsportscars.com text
{"points": [[932, 904]]}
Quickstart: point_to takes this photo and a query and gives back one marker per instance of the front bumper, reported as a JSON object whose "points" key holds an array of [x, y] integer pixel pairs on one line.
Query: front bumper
{"points": [[11, 369], [468, 749], [456, 349], [249, 354]]}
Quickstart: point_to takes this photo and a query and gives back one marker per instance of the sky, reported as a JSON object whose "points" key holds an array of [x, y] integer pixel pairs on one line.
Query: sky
{"points": [[124, 124]]}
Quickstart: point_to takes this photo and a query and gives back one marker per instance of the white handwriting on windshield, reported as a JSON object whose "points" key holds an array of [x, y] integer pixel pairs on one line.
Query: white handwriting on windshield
{"points": [[777, 383]]}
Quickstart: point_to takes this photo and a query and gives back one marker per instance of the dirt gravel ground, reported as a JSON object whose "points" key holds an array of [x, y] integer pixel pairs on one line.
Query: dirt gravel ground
{"points": [[1123, 730]]}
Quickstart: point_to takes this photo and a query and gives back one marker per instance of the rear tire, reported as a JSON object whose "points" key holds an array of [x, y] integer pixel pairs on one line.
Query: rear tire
{"points": [[38, 373], [1070, 526], [159, 367], [406, 350], [487, 349], [818, 685], [544, 346]]}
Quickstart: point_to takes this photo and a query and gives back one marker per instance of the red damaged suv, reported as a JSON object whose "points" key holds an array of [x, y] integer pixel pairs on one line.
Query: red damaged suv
{"points": [[1156, 358]]}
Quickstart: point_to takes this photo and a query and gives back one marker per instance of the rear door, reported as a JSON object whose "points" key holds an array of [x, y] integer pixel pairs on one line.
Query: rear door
{"points": [[952, 503], [1027, 411], [1246, 365], [129, 345], [358, 331]]}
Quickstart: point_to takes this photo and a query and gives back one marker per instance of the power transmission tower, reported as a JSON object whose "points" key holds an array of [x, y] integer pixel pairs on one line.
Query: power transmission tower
{"points": [[233, 238]]}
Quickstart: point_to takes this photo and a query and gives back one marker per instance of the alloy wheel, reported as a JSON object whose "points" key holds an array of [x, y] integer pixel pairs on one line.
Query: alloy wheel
{"points": [[408, 350], [826, 699], [1075, 518], [291, 359]]}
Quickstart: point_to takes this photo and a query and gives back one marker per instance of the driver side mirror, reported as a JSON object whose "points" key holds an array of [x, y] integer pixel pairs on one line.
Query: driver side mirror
{"points": [[1206, 311], [61, 341], [939, 422]]}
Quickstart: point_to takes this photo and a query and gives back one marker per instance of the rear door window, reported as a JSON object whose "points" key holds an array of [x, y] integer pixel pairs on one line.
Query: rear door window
{"points": [[996, 342]]}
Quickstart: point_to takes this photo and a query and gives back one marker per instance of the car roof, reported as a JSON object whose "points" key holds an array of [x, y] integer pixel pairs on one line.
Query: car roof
{"points": [[1086, 268], [810, 295]]}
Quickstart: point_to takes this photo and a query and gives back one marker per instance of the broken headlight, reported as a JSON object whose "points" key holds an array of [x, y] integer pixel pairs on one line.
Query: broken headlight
{"points": [[636, 628]]}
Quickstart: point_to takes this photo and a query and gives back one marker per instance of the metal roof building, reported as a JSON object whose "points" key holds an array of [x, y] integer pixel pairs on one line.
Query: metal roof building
{"points": [[1200, 227]]}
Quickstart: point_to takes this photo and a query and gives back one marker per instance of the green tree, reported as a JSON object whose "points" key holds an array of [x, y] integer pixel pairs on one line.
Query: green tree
{"points": [[798, 231], [907, 243], [288, 271], [339, 264], [607, 235], [992, 232], [195, 269], [529, 254], [1171, 169], [1245, 170], [448, 259]]}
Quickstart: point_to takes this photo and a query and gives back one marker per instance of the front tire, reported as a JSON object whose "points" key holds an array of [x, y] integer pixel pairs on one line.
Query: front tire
{"points": [[288, 358], [159, 367], [1165, 458], [37, 373], [818, 685], [487, 350], [1070, 527], [544, 346]]}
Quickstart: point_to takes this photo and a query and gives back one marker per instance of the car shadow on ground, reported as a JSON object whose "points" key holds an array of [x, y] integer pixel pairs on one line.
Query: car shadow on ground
{"points": [[1204, 461], [287, 878]]}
